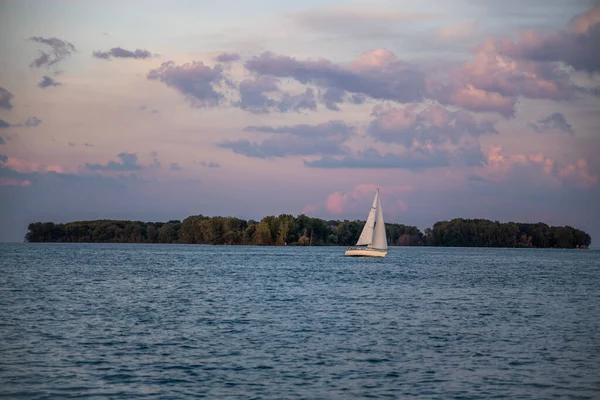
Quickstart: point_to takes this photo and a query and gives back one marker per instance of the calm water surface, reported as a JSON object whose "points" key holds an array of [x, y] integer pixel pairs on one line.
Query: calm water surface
{"points": [[177, 321]]}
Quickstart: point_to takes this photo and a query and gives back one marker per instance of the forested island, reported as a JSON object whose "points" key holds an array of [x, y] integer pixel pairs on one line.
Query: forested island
{"points": [[302, 230]]}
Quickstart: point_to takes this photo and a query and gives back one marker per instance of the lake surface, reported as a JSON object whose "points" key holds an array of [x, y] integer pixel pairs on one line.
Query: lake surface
{"points": [[182, 321]]}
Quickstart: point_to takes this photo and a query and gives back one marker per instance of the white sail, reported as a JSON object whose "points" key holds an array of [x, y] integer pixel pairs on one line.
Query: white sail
{"points": [[366, 236], [379, 237]]}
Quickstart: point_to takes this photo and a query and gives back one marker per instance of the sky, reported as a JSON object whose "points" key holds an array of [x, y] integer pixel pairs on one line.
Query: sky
{"points": [[157, 110]]}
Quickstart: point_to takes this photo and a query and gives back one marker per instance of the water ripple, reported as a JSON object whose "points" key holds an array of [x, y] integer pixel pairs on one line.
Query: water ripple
{"points": [[154, 321]]}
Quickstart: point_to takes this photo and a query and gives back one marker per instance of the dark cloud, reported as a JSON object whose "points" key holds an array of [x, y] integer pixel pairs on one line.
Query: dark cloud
{"points": [[194, 80], [227, 57], [378, 74], [29, 122], [252, 94], [299, 102], [253, 97], [47, 81], [3, 158], [373, 159], [433, 124], [174, 166], [129, 162], [155, 162], [61, 49], [5, 98], [145, 108], [578, 45], [322, 139], [73, 144], [553, 122], [211, 164], [327, 129], [118, 52], [416, 159], [332, 97], [32, 121], [2, 141]]}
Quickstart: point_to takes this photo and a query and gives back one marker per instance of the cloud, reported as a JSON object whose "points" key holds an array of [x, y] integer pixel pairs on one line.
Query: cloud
{"points": [[461, 30], [359, 197], [21, 166], [118, 52], [493, 83], [211, 164], [578, 173], [61, 49], [5, 98], [145, 108], [432, 124], [174, 166], [253, 97], [252, 94], [73, 144], [378, 74], [336, 203], [325, 138], [332, 97], [128, 162], [553, 122], [29, 122], [47, 81], [227, 57], [357, 22], [32, 121], [578, 45], [298, 102], [14, 182], [2, 141], [415, 159], [536, 169], [194, 80]]}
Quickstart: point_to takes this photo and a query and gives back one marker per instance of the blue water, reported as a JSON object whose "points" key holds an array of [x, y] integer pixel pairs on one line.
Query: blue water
{"points": [[179, 321]]}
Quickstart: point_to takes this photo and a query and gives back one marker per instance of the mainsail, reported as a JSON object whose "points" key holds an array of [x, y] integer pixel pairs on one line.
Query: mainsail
{"points": [[366, 236], [379, 237]]}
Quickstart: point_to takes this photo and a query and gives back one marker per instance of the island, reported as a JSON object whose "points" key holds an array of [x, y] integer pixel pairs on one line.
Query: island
{"points": [[302, 230]]}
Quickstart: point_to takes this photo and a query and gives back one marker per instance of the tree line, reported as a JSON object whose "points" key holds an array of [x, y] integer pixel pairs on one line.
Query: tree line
{"points": [[484, 233], [302, 230]]}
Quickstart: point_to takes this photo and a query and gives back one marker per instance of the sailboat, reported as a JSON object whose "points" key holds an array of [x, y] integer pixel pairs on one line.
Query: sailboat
{"points": [[373, 240]]}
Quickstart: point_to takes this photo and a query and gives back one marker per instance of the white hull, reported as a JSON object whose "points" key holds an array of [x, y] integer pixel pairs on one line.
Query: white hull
{"points": [[366, 252]]}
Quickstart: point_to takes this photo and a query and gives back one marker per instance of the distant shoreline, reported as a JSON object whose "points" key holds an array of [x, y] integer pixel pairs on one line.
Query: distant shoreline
{"points": [[287, 230], [297, 246]]}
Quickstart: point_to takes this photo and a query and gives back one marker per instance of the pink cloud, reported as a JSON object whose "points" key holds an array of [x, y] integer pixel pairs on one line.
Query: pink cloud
{"points": [[309, 209], [336, 203], [578, 45], [374, 59], [579, 174], [500, 167], [402, 206], [25, 166], [14, 182], [584, 22], [462, 30], [360, 196], [493, 83]]}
